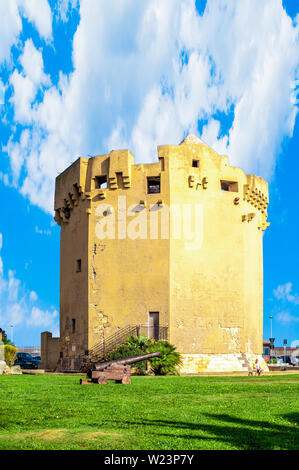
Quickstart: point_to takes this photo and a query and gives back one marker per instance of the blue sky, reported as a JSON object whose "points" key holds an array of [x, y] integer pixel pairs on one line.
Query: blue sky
{"points": [[84, 77]]}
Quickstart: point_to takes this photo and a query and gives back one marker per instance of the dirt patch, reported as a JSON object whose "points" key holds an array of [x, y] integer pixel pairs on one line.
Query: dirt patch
{"points": [[50, 434], [47, 435], [94, 435]]}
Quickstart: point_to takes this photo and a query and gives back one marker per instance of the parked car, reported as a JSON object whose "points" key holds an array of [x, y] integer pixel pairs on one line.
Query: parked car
{"points": [[37, 358], [290, 360], [295, 360], [26, 361]]}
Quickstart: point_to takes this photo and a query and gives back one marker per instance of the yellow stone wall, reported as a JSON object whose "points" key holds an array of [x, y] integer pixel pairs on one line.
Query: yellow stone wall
{"points": [[208, 290]]}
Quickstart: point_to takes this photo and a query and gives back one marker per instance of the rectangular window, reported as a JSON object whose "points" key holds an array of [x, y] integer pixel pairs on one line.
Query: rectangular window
{"points": [[101, 182], [73, 325], [153, 184], [231, 186], [195, 163], [79, 265]]}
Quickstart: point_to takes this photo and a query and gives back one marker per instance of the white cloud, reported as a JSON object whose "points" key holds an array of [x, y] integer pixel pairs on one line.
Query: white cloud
{"points": [[286, 318], [11, 26], [42, 232], [33, 296], [1, 262], [27, 83], [41, 318], [33, 64], [37, 12], [284, 293], [16, 305], [64, 7], [130, 88]]}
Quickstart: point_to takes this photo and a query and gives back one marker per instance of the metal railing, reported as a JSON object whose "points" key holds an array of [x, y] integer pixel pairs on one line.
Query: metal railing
{"points": [[107, 345], [30, 349]]}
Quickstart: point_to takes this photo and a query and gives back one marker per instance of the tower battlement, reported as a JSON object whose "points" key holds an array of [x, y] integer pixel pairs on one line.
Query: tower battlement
{"points": [[94, 178]]}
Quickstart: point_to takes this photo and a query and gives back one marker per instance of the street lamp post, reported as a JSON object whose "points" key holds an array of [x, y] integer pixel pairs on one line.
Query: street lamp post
{"points": [[271, 317], [271, 339], [11, 333]]}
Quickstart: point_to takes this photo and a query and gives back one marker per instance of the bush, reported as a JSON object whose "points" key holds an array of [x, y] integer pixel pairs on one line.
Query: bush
{"points": [[130, 348], [164, 364], [10, 353], [142, 342], [168, 360]]}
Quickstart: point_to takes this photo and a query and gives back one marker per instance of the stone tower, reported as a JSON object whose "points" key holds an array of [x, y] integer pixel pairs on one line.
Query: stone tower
{"points": [[175, 244]]}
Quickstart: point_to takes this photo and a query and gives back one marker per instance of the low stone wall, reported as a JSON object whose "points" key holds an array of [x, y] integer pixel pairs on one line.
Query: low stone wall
{"points": [[13, 370], [50, 351], [203, 363]]}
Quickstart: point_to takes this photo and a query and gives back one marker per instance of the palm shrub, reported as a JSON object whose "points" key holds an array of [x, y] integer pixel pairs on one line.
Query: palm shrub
{"points": [[168, 360], [141, 341], [132, 347]]}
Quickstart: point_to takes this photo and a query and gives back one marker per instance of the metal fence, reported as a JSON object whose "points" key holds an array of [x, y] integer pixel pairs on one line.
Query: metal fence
{"points": [[106, 345], [35, 350]]}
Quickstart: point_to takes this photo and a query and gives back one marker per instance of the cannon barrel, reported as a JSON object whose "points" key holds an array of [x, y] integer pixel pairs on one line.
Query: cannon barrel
{"points": [[126, 361]]}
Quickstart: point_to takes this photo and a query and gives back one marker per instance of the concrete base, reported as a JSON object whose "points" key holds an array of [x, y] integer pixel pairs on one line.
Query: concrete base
{"points": [[205, 363], [33, 371]]}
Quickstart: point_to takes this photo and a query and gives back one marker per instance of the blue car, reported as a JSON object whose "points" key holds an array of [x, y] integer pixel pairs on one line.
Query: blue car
{"points": [[26, 361], [38, 359]]}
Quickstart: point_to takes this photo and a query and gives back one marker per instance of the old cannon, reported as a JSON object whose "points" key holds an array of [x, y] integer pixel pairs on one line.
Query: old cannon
{"points": [[118, 370]]}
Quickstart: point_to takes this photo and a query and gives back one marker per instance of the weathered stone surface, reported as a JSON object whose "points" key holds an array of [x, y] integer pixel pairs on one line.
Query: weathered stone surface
{"points": [[14, 370], [199, 363], [2, 366]]}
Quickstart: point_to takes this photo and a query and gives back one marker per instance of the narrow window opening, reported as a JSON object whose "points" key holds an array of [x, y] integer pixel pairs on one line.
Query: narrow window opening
{"points": [[195, 163], [119, 179], [153, 185], [79, 265], [101, 182], [162, 163], [73, 325], [231, 186]]}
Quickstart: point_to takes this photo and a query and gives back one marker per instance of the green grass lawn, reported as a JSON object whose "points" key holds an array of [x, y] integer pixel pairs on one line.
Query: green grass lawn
{"points": [[179, 413]]}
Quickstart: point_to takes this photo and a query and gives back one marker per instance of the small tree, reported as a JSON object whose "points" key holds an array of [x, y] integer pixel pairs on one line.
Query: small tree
{"points": [[10, 353], [5, 340], [168, 360]]}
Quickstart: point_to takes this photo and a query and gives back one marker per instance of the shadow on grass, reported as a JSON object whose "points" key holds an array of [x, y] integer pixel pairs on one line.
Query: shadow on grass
{"points": [[236, 433]]}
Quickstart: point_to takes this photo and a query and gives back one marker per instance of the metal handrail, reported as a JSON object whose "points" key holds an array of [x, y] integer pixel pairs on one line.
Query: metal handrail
{"points": [[105, 346]]}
